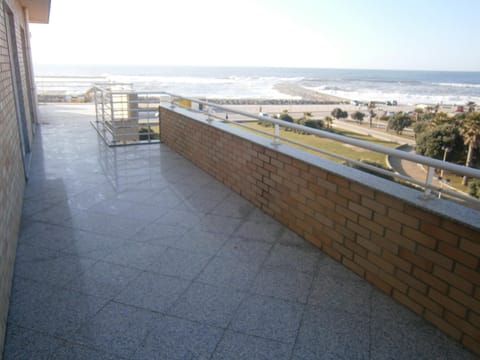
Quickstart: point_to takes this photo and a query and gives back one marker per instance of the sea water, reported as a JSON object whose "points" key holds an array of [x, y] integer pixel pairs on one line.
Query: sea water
{"points": [[407, 87]]}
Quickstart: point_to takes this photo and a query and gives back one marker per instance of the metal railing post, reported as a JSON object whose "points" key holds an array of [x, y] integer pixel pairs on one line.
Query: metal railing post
{"points": [[429, 181], [276, 135]]}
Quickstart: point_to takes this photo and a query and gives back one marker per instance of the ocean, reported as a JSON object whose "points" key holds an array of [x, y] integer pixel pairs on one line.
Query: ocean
{"points": [[406, 87]]}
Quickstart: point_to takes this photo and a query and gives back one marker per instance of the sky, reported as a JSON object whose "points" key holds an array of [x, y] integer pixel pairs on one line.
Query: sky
{"points": [[354, 34]]}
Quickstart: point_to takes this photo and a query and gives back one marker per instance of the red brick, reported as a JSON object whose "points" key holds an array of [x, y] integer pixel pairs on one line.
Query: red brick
{"points": [[340, 181], [435, 257], [405, 300], [453, 280], [363, 190], [369, 245], [393, 281], [347, 233], [357, 249], [419, 213], [307, 193], [472, 344], [348, 194], [414, 259], [461, 324], [327, 185], [465, 299], [411, 281], [284, 159], [300, 165], [384, 243], [468, 274], [343, 250], [354, 267], [312, 238], [459, 255], [337, 199], [387, 222], [431, 280], [365, 264], [472, 247], [332, 252], [360, 210], [323, 220], [460, 229], [381, 263], [474, 319], [338, 219], [439, 233], [271, 154], [379, 283], [374, 205], [443, 325], [264, 158], [308, 176], [333, 235], [360, 230], [390, 201], [317, 190], [371, 225], [396, 261], [425, 301], [321, 204], [346, 213], [447, 303], [403, 218], [419, 237]]}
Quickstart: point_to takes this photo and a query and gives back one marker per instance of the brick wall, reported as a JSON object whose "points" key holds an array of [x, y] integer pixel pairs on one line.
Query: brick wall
{"points": [[422, 259], [12, 180]]}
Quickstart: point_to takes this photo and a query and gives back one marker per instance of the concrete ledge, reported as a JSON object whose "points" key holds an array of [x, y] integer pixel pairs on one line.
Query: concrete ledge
{"points": [[423, 253]]}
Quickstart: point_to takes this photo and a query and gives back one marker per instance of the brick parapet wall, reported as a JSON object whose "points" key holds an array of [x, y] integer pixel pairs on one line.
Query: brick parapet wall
{"points": [[12, 178], [425, 260]]}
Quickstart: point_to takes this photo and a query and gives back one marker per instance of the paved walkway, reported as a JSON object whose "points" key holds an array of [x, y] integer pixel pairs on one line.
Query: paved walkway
{"points": [[134, 253]]}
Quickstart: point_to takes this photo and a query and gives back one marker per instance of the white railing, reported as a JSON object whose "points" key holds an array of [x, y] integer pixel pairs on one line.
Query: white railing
{"points": [[124, 116], [226, 114]]}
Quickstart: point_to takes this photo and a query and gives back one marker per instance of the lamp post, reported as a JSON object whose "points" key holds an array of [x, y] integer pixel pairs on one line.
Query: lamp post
{"points": [[446, 150]]}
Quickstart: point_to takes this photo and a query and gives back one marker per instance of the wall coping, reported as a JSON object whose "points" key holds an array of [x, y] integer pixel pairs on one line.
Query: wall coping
{"points": [[448, 209]]}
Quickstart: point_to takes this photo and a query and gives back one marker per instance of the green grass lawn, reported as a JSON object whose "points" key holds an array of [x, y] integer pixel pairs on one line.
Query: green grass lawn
{"points": [[336, 147]]}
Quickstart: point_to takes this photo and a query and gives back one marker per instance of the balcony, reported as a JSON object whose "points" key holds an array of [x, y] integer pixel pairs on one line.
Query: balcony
{"points": [[136, 253]]}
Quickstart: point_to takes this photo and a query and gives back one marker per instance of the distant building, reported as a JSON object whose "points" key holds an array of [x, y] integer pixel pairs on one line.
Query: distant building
{"points": [[17, 127]]}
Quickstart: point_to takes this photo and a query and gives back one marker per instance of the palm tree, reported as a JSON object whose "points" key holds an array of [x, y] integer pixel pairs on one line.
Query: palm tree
{"points": [[470, 130], [471, 106], [418, 114], [329, 121]]}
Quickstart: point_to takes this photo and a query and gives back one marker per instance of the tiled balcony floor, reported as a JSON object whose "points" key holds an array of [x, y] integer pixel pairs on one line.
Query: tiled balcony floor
{"points": [[134, 253]]}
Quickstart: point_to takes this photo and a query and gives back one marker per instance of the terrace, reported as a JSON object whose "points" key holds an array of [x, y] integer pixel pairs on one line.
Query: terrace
{"points": [[136, 253]]}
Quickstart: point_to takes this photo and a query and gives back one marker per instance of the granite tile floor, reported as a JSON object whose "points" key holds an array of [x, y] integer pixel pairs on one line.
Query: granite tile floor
{"points": [[135, 253]]}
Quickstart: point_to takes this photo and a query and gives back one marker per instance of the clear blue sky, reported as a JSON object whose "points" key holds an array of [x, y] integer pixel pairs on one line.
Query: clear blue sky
{"points": [[373, 34]]}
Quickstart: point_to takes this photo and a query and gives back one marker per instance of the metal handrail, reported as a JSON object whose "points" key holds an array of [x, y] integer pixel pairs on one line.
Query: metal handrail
{"points": [[429, 162]]}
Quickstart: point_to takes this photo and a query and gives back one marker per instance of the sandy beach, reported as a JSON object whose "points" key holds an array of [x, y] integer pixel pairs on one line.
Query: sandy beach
{"points": [[314, 102]]}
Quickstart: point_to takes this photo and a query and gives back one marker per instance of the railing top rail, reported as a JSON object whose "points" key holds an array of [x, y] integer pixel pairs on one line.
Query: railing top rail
{"points": [[458, 169], [434, 163]]}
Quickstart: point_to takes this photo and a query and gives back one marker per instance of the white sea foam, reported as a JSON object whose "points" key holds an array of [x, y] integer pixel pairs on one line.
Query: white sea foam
{"points": [[460, 85], [400, 97], [259, 83]]}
